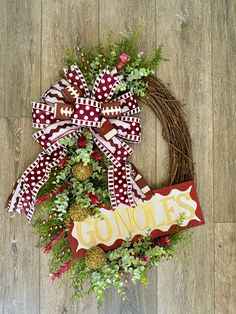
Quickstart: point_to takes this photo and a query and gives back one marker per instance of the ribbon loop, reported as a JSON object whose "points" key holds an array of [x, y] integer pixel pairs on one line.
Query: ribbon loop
{"points": [[129, 104], [75, 77], [128, 128], [111, 109], [104, 86], [42, 115], [72, 93]]}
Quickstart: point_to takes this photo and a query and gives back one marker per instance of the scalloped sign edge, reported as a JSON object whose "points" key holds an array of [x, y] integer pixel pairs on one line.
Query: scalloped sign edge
{"points": [[157, 215]]}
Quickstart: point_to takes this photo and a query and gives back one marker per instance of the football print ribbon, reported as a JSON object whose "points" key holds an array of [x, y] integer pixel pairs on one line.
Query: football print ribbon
{"points": [[65, 110]]}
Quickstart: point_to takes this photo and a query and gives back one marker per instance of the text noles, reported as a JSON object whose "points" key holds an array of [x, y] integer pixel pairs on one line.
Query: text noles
{"points": [[125, 222]]}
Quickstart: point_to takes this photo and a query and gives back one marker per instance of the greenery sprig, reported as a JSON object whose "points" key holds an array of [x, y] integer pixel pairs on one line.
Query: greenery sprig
{"points": [[92, 60]]}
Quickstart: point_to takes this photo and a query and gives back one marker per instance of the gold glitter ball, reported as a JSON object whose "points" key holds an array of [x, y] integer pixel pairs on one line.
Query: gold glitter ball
{"points": [[95, 258], [82, 172], [78, 213]]}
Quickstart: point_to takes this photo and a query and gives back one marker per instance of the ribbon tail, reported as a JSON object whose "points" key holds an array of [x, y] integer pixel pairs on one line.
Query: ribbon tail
{"points": [[116, 150], [120, 185], [13, 199], [120, 173], [140, 187], [23, 196], [127, 186]]}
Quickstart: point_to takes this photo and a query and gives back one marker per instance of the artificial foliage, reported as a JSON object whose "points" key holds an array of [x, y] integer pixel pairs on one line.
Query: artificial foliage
{"points": [[129, 262], [92, 60]]}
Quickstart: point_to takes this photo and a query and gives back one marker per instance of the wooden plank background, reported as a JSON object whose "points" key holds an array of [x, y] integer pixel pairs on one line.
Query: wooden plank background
{"points": [[200, 42]]}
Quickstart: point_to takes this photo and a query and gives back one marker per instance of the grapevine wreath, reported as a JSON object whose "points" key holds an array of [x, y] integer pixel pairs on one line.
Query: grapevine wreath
{"points": [[82, 187]]}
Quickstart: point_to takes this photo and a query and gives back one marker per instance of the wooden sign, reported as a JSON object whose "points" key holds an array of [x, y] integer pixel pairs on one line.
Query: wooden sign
{"points": [[157, 216]]}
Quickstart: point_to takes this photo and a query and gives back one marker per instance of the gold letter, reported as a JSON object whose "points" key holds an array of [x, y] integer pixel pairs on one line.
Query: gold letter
{"points": [[97, 226], [117, 214], [184, 205], [90, 233], [168, 209], [148, 208], [136, 220]]}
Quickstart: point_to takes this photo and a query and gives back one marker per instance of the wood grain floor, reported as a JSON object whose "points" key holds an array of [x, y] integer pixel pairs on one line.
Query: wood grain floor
{"points": [[199, 38]]}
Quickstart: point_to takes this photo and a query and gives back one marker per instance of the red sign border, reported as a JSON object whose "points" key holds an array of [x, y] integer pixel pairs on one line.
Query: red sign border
{"points": [[155, 233]]}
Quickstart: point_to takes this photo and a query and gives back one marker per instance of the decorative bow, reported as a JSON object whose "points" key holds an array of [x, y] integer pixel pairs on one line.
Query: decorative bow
{"points": [[65, 110]]}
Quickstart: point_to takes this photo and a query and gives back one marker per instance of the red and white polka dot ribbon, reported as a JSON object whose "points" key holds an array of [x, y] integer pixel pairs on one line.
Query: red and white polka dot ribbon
{"points": [[63, 111]]}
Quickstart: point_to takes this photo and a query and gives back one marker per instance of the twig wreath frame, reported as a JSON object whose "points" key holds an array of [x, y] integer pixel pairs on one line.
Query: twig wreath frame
{"points": [[175, 131], [75, 174]]}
